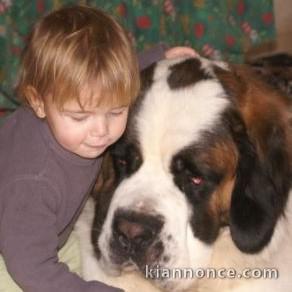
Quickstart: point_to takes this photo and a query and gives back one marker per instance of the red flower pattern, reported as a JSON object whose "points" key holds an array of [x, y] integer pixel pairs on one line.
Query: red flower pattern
{"points": [[143, 22], [199, 29], [267, 18], [122, 9], [40, 5], [230, 40], [246, 27], [168, 7], [241, 7]]}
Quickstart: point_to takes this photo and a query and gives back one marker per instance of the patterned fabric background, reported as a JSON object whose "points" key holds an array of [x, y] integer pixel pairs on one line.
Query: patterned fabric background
{"points": [[217, 29]]}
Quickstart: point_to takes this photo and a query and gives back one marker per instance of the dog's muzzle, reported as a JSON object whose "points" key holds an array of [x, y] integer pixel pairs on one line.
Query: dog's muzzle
{"points": [[136, 237]]}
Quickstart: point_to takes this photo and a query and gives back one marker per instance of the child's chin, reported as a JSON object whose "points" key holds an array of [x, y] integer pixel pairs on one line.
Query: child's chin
{"points": [[92, 154]]}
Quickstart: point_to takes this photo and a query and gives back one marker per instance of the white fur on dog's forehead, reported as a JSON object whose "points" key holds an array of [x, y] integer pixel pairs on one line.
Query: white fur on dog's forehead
{"points": [[166, 121], [171, 119]]}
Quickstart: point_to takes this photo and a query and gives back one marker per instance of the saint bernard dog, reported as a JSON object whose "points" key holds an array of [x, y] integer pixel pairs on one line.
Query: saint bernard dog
{"points": [[200, 181]]}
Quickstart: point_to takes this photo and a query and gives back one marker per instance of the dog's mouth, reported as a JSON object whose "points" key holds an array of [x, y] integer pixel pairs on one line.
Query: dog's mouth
{"points": [[137, 256]]}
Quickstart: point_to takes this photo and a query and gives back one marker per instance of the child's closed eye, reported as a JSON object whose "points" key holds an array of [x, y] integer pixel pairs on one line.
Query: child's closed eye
{"points": [[118, 111], [79, 118]]}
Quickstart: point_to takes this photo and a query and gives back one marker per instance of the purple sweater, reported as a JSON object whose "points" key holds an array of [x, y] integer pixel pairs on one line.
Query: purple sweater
{"points": [[43, 188]]}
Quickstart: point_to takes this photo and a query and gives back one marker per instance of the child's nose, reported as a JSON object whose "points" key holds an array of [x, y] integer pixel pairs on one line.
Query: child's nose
{"points": [[100, 127]]}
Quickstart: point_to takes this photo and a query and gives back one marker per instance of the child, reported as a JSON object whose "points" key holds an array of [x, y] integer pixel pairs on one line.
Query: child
{"points": [[79, 76]]}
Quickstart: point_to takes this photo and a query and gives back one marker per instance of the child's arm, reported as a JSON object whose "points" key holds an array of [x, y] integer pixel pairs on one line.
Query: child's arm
{"points": [[161, 51], [29, 240]]}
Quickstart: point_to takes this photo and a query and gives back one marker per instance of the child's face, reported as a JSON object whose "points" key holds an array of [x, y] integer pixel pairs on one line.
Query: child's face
{"points": [[86, 131]]}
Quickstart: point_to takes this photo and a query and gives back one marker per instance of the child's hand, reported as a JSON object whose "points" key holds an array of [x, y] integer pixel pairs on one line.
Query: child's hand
{"points": [[180, 52]]}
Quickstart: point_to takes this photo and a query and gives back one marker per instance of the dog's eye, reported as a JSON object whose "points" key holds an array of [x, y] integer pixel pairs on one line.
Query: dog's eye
{"points": [[196, 180]]}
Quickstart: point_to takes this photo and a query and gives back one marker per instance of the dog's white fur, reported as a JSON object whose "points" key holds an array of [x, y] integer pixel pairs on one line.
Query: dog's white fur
{"points": [[277, 255], [152, 189]]}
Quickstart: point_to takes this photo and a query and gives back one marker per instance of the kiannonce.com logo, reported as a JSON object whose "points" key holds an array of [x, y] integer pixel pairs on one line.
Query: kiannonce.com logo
{"points": [[158, 272]]}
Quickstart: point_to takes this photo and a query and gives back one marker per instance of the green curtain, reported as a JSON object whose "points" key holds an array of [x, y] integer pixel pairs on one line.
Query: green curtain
{"points": [[222, 29]]}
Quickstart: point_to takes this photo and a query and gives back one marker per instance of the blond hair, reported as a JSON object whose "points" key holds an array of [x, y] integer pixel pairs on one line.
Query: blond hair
{"points": [[75, 47]]}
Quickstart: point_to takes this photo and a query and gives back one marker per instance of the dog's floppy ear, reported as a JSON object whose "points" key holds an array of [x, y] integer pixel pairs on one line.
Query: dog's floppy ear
{"points": [[104, 187], [102, 195], [106, 176], [260, 128]]}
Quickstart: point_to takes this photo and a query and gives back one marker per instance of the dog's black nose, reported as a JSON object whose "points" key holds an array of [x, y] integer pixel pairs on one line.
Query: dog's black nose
{"points": [[134, 232]]}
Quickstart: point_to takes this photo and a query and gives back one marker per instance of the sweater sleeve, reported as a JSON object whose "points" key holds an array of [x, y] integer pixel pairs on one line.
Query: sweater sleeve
{"points": [[154, 54], [29, 240]]}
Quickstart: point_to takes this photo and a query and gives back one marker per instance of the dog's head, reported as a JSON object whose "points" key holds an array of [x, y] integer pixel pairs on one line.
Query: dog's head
{"points": [[207, 147]]}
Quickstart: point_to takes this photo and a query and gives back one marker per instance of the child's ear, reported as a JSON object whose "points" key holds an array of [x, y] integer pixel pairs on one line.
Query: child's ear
{"points": [[35, 101]]}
